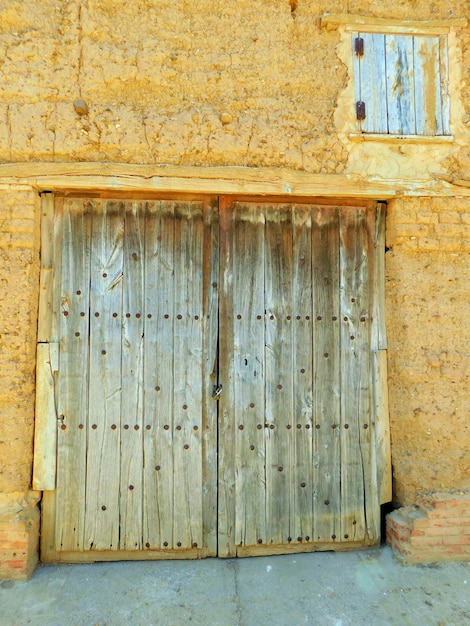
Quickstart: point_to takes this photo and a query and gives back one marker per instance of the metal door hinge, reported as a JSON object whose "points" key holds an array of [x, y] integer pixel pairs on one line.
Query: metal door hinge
{"points": [[360, 110], [359, 46]]}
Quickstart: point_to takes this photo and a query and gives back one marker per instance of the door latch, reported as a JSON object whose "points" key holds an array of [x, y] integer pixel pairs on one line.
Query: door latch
{"points": [[217, 391]]}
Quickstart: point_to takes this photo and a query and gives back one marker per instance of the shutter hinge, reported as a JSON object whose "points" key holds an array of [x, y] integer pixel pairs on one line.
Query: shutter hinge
{"points": [[360, 110], [359, 46]]}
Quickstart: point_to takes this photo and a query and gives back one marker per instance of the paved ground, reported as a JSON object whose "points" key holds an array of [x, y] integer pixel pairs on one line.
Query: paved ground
{"points": [[337, 589]]}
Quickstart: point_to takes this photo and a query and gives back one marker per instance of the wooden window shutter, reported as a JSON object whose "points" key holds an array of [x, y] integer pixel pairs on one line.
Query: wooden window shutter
{"points": [[401, 82]]}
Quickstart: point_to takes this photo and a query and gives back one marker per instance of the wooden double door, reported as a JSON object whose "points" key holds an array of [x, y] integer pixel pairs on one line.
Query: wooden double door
{"points": [[219, 378]]}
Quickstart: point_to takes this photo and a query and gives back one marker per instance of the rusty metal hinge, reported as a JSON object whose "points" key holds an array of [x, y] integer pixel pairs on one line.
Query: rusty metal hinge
{"points": [[359, 46], [360, 110]]}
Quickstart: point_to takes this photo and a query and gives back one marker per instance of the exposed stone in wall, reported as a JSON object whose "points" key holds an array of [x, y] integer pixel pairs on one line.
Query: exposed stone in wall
{"points": [[19, 254], [428, 272]]}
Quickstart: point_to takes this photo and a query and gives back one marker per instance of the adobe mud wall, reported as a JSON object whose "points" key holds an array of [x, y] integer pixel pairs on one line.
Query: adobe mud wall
{"points": [[252, 83]]}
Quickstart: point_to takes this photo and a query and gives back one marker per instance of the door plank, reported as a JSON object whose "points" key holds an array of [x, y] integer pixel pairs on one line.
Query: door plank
{"points": [[105, 384], [326, 367], [226, 506], [210, 323], [278, 370], [132, 360], [302, 368], [188, 366], [355, 373], [73, 379], [158, 375], [249, 373]]}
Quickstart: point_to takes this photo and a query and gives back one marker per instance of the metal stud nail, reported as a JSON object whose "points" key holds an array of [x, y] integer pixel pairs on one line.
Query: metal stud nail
{"points": [[366, 426], [137, 315], [279, 386], [252, 447], [186, 447], [280, 468], [327, 502], [259, 427], [363, 319], [307, 317], [346, 426], [241, 427], [299, 426], [345, 319], [97, 314], [115, 314], [194, 545], [334, 318], [105, 275], [136, 427], [113, 426], [126, 426], [147, 545], [66, 313], [303, 484], [94, 426], [326, 355], [302, 371], [166, 427], [165, 544], [289, 426], [178, 427], [297, 317], [260, 541], [307, 538], [289, 317], [131, 487], [157, 388], [179, 544], [333, 536], [148, 427], [195, 427], [179, 316], [351, 337], [252, 404], [63, 426], [271, 426], [149, 315], [157, 468], [333, 426], [185, 406], [77, 334], [82, 314], [289, 539], [103, 351], [103, 508], [319, 318], [128, 315], [307, 426], [299, 538], [239, 317], [346, 536], [166, 316], [258, 317], [80, 426]]}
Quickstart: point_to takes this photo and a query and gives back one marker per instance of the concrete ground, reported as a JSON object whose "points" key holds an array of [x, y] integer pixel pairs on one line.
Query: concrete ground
{"points": [[337, 589]]}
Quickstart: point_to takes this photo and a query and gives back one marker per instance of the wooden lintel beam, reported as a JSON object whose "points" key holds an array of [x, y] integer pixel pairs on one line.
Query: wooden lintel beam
{"points": [[127, 178]]}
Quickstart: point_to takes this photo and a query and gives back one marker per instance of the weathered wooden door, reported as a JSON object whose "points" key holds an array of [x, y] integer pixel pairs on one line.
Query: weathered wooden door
{"points": [[210, 404], [135, 317], [302, 412]]}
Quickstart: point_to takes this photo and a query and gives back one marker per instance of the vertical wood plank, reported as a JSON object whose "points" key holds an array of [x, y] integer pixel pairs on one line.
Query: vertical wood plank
{"points": [[188, 367], [73, 375], [326, 367], [444, 84], [301, 421], [249, 374], [355, 425], [105, 386], [278, 369], [400, 84], [132, 366], [46, 285], [371, 82], [45, 422], [210, 375], [226, 453], [381, 442], [158, 375], [427, 84]]}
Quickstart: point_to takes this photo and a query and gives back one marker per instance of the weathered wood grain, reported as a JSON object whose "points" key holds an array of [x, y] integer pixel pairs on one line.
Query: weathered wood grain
{"points": [[400, 85], [326, 355], [427, 85], [72, 397], [132, 365], [105, 382], [45, 423], [355, 374], [278, 294], [370, 82]]}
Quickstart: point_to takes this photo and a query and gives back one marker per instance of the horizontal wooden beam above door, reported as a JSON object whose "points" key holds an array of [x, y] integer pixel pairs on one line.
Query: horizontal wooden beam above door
{"points": [[154, 179]]}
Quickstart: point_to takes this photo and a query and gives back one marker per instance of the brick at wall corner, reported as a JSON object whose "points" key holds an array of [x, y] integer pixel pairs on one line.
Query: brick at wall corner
{"points": [[19, 544], [436, 528]]}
